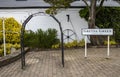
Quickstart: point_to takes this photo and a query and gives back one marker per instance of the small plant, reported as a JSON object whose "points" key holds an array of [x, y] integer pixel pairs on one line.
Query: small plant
{"points": [[8, 48], [112, 42], [16, 46], [75, 44], [68, 45], [1, 52], [71, 44], [81, 43], [12, 34], [55, 46]]}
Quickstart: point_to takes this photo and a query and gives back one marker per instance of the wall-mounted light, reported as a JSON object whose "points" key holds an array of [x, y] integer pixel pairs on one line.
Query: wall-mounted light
{"points": [[21, 0]]}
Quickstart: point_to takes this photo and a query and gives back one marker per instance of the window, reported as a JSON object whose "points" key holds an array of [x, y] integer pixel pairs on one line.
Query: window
{"points": [[21, 0], [76, 0]]}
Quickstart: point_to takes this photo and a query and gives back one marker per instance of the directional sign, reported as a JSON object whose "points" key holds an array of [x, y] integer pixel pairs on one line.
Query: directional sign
{"points": [[87, 32], [97, 31]]}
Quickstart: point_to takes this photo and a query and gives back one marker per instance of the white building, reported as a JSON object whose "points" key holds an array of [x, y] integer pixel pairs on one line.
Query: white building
{"points": [[21, 9]]}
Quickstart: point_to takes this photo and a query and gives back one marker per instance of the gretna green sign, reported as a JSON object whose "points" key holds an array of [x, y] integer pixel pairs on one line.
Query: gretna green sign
{"points": [[97, 31], [88, 32]]}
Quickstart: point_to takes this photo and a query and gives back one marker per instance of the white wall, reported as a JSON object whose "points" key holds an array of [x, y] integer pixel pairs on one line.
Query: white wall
{"points": [[45, 22], [78, 23]]}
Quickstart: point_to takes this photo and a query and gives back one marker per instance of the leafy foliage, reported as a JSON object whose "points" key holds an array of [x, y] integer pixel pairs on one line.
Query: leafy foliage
{"points": [[41, 39], [84, 13], [12, 34], [112, 42], [30, 39], [73, 44], [106, 18], [57, 4], [12, 30]]}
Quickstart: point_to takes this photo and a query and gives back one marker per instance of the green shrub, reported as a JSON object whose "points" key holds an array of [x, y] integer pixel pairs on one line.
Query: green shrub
{"points": [[72, 44], [47, 38], [12, 31], [75, 44], [16, 46], [30, 39], [41, 39], [112, 42], [1, 52], [12, 35], [8, 48], [81, 43], [56, 46]]}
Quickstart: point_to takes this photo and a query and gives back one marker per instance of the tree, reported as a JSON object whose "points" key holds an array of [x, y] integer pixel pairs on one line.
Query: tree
{"points": [[106, 19], [56, 5], [12, 30], [92, 12], [12, 34], [92, 16]]}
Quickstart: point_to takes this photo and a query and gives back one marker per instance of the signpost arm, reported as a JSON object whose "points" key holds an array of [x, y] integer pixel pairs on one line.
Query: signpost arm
{"points": [[108, 47], [3, 22], [85, 46]]}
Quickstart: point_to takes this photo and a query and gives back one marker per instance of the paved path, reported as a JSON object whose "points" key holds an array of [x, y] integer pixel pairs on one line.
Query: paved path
{"points": [[48, 64]]}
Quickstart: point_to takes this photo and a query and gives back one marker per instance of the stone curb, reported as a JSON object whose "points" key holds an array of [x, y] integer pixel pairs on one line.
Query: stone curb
{"points": [[5, 60]]}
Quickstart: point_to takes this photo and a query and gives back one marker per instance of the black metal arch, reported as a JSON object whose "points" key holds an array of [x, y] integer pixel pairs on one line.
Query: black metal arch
{"points": [[22, 37]]}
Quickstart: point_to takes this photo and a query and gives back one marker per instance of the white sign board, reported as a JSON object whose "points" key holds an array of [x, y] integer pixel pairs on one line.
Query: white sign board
{"points": [[107, 32], [97, 31]]}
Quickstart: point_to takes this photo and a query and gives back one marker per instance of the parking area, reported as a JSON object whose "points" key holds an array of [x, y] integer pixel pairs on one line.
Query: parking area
{"points": [[48, 64]]}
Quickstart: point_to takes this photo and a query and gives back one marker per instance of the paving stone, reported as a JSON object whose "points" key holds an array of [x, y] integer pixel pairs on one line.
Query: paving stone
{"points": [[48, 64]]}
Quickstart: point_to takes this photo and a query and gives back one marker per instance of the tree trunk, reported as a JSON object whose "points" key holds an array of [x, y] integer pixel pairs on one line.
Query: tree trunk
{"points": [[91, 22], [92, 14]]}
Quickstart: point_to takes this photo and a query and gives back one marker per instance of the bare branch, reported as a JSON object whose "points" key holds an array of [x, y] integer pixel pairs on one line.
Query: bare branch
{"points": [[100, 6], [101, 3], [86, 4]]}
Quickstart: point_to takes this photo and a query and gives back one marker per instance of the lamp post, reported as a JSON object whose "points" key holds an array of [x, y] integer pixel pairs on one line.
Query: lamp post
{"points": [[3, 25]]}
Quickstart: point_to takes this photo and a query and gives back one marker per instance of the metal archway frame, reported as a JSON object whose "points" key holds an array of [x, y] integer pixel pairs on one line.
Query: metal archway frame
{"points": [[22, 37]]}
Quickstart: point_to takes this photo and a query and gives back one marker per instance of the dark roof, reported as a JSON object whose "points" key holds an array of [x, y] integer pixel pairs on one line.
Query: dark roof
{"points": [[15, 4]]}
